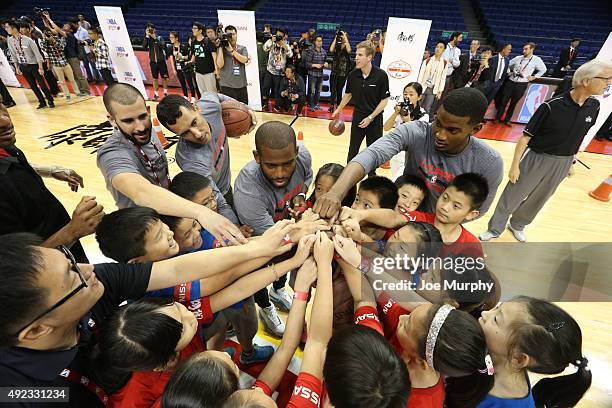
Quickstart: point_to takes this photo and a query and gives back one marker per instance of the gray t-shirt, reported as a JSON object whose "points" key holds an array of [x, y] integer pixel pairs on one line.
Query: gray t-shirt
{"points": [[258, 203], [233, 74], [119, 155], [211, 160], [435, 168]]}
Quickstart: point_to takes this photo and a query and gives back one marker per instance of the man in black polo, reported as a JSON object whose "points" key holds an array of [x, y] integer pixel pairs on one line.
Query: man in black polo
{"points": [[157, 58], [553, 135], [26, 205], [368, 87]]}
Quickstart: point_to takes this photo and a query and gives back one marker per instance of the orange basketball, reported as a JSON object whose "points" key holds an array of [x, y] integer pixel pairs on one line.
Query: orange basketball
{"points": [[336, 127], [236, 118]]}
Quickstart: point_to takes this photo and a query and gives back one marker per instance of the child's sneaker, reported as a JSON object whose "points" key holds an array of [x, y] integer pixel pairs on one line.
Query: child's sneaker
{"points": [[258, 355], [487, 236], [281, 298], [271, 320]]}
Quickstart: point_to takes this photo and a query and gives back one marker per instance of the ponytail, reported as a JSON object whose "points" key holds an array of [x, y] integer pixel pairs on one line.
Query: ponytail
{"points": [[564, 391]]}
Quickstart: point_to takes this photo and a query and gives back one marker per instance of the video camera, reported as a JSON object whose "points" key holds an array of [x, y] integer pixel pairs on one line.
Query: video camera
{"points": [[222, 36], [405, 107], [339, 35], [40, 10]]}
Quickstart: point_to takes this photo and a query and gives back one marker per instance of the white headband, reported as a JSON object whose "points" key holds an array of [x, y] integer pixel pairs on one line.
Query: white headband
{"points": [[434, 330]]}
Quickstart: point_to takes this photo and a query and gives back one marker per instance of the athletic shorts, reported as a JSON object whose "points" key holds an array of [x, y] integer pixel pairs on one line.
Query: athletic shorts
{"points": [[159, 68]]}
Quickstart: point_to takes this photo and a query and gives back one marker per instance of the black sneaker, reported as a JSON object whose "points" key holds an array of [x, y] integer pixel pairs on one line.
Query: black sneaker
{"points": [[51, 104], [42, 105], [10, 104]]}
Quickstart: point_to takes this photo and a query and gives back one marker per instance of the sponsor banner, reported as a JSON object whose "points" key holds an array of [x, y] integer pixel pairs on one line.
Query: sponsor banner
{"points": [[6, 72], [605, 100], [404, 45], [244, 21], [122, 56]]}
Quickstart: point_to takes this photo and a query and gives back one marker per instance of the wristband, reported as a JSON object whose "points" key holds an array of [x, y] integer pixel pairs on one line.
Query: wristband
{"points": [[301, 296]]}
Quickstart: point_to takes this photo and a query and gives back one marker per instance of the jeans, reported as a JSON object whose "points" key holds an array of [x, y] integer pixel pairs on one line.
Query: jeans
{"points": [[314, 89], [271, 86]]}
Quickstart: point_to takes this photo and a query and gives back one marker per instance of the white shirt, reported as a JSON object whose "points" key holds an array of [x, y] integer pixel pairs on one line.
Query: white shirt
{"points": [[82, 35], [521, 68], [451, 54], [500, 67]]}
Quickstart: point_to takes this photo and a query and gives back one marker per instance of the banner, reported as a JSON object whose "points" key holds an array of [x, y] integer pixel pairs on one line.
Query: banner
{"points": [[244, 21], [6, 72], [403, 54], [605, 100], [120, 48]]}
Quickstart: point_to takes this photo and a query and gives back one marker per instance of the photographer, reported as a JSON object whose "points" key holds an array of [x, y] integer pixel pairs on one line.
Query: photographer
{"points": [[481, 75], [408, 109], [314, 60], [292, 91], [85, 53], [101, 52], [279, 51], [304, 44], [377, 37], [296, 59], [53, 46], [340, 48], [231, 61], [71, 50], [29, 29], [157, 58], [204, 53], [184, 69], [523, 69]]}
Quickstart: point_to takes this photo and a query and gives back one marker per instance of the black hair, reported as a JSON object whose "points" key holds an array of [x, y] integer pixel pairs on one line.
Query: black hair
{"points": [[171, 221], [429, 241], [291, 67], [201, 381], [468, 102], [138, 337], [473, 185], [230, 27], [122, 94], [199, 25], [13, 23], [330, 169], [575, 39], [410, 179], [275, 135], [504, 45], [121, 234], [553, 340], [417, 87], [440, 42], [454, 35], [259, 36], [208, 27], [150, 25], [175, 34], [187, 184], [282, 30], [363, 370], [21, 297], [169, 109], [318, 36], [467, 267], [485, 48], [384, 189], [99, 32]]}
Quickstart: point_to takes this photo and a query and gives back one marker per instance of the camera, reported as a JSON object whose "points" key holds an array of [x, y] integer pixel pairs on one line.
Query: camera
{"points": [[405, 107], [222, 36], [41, 10]]}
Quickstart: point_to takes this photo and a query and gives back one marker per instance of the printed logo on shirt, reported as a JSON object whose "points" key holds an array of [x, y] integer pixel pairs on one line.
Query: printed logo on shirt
{"points": [[436, 178], [65, 373], [282, 206], [388, 306], [366, 316], [307, 393], [588, 119]]}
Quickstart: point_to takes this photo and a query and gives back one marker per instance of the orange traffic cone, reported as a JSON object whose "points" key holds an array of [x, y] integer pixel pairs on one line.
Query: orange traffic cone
{"points": [[159, 132], [386, 166], [300, 136], [602, 193]]}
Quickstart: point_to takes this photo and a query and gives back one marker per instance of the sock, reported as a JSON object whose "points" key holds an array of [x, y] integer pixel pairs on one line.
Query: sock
{"points": [[165, 92], [155, 93]]}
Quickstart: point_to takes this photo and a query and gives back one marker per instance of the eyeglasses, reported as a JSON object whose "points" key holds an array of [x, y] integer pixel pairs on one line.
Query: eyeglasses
{"points": [[608, 79], [73, 267]]}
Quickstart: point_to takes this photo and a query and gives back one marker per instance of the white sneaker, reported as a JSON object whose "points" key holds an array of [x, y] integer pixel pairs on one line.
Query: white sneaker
{"points": [[272, 321], [281, 298], [193, 99], [519, 235], [487, 235]]}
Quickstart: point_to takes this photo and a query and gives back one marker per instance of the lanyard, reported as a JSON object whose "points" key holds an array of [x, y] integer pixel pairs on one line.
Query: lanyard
{"points": [[21, 55], [77, 378], [150, 164], [525, 66]]}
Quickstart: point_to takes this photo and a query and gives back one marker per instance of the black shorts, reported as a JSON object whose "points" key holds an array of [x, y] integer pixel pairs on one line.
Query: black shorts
{"points": [[159, 68]]}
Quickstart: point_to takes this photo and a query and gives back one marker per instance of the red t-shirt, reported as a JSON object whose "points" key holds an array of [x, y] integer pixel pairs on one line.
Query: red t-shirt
{"points": [[432, 397], [145, 389], [308, 392]]}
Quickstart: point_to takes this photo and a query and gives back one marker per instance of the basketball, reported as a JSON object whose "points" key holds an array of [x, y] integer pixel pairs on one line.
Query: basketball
{"points": [[336, 127], [236, 118]]}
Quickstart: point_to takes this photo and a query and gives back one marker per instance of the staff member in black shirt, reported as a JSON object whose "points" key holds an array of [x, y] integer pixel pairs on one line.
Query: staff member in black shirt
{"points": [[204, 54], [53, 306], [553, 135], [368, 88], [157, 58], [26, 205]]}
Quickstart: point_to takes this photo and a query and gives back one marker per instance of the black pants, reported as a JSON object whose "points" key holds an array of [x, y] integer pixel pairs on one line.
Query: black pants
{"points": [[239, 94], [187, 78], [107, 76], [36, 82], [51, 81], [336, 84], [271, 85], [371, 134], [286, 104], [229, 197], [262, 298], [513, 92], [6, 96]]}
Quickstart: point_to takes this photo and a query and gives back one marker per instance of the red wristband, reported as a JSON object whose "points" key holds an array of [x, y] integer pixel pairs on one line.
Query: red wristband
{"points": [[301, 296]]}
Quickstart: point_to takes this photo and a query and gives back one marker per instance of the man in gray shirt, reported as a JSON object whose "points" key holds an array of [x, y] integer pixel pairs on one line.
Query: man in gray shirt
{"points": [[434, 152], [231, 60], [134, 165], [28, 61], [266, 189], [202, 146]]}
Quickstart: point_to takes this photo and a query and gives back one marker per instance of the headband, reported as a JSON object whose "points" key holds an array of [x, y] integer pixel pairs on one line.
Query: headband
{"points": [[434, 330]]}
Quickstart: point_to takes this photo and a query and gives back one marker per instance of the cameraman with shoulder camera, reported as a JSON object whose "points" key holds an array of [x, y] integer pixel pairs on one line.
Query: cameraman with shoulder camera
{"points": [[204, 53], [340, 48], [279, 51], [157, 58], [231, 61], [314, 60]]}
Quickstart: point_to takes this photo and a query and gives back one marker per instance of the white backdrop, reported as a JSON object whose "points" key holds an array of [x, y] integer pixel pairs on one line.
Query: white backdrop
{"points": [[404, 46], [120, 48], [244, 21], [605, 100], [6, 72]]}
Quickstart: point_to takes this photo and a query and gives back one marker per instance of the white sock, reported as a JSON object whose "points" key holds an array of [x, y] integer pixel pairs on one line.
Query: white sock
{"points": [[155, 93], [165, 92]]}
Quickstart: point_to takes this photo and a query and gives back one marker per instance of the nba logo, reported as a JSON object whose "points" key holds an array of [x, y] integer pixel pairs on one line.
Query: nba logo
{"points": [[536, 94]]}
